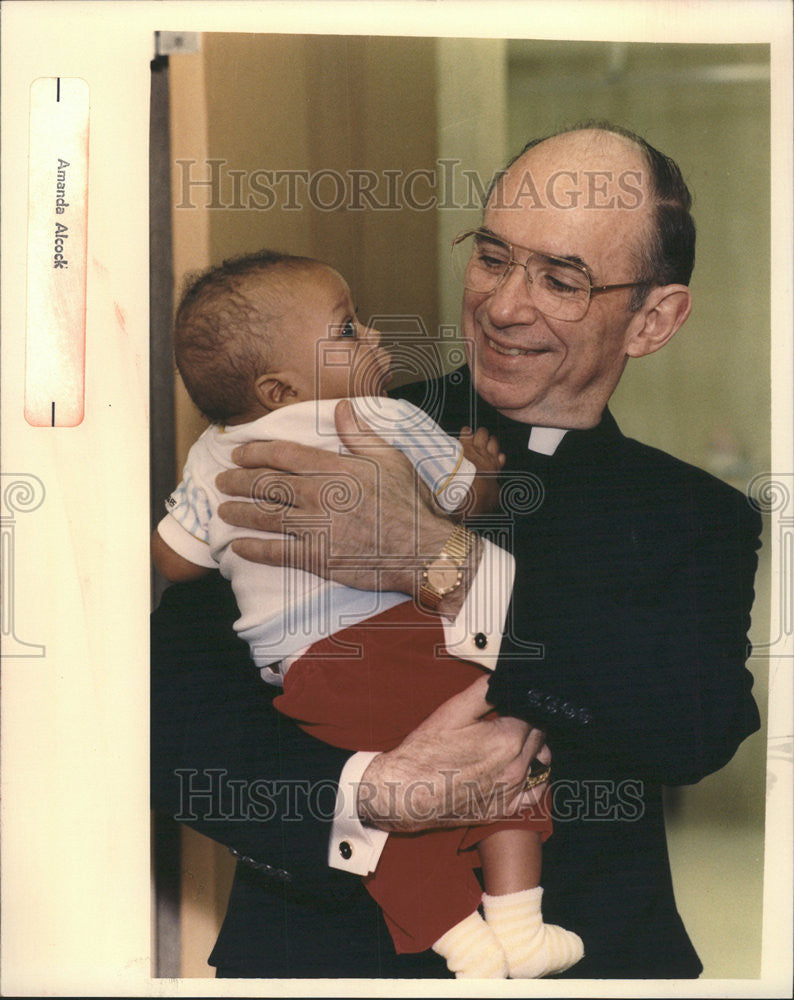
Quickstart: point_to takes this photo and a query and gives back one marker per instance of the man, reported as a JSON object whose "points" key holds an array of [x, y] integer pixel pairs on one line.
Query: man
{"points": [[622, 633]]}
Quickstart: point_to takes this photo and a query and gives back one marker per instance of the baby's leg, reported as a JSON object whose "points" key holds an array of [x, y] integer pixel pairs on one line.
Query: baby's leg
{"points": [[511, 865]]}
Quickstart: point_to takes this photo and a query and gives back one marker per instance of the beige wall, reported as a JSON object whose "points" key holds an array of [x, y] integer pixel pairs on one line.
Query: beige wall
{"points": [[320, 105], [395, 104]]}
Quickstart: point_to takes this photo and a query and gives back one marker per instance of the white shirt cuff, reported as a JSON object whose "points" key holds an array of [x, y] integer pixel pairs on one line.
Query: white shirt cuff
{"points": [[476, 633], [353, 847]]}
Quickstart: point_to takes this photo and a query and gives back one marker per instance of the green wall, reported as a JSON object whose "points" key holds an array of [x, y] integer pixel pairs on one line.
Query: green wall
{"points": [[706, 396]]}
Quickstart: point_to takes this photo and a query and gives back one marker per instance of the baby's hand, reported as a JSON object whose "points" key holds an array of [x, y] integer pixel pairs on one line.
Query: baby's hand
{"points": [[482, 450]]}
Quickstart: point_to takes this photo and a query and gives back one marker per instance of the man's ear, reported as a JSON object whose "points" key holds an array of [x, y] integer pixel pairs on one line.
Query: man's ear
{"points": [[275, 390], [664, 311]]}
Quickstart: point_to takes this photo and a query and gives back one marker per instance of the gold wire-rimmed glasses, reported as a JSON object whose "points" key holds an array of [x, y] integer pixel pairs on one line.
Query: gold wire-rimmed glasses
{"points": [[561, 289]]}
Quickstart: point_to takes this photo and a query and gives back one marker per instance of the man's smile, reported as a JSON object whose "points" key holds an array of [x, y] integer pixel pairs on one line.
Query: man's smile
{"points": [[514, 352]]}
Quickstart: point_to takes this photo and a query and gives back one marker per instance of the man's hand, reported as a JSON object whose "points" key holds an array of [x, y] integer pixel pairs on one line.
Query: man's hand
{"points": [[365, 519], [457, 768]]}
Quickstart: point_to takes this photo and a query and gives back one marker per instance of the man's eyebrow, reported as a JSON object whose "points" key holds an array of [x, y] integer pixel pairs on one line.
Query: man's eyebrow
{"points": [[571, 257]]}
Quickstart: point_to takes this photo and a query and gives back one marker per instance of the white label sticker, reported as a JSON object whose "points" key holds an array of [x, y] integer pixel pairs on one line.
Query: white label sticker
{"points": [[56, 274]]}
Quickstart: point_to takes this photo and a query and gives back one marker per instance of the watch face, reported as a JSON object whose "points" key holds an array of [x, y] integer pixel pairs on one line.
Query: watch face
{"points": [[442, 575]]}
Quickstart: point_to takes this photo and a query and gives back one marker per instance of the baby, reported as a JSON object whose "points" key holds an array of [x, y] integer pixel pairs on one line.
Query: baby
{"points": [[266, 345]]}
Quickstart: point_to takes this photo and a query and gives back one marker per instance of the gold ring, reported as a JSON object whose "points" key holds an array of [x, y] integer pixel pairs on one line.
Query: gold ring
{"points": [[538, 773]]}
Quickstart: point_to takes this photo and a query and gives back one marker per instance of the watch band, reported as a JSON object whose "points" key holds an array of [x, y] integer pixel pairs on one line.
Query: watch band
{"points": [[455, 552]]}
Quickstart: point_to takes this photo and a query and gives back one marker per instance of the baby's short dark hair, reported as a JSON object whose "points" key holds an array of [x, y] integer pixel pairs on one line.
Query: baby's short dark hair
{"points": [[223, 335]]}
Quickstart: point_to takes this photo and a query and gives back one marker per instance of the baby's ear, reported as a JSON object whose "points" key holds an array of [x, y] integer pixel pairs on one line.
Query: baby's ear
{"points": [[275, 390]]}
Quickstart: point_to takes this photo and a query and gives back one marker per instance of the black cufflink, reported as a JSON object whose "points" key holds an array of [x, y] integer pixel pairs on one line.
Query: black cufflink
{"points": [[346, 850], [481, 640]]}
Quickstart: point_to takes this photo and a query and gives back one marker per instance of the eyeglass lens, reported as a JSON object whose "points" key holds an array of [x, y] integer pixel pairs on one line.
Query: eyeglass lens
{"points": [[559, 289]]}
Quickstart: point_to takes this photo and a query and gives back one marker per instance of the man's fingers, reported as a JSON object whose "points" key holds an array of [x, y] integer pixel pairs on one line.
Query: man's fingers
{"points": [[257, 516], [532, 797], [284, 456], [279, 497], [464, 708], [535, 743], [260, 485], [266, 465], [273, 552]]}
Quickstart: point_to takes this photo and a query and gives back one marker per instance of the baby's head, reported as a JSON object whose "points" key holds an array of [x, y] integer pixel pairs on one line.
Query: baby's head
{"points": [[269, 329]]}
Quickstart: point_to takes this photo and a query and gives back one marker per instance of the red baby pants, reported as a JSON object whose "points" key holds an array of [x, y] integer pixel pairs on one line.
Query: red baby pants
{"points": [[365, 688]]}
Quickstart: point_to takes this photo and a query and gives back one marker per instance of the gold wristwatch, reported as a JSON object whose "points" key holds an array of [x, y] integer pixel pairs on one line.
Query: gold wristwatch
{"points": [[443, 574]]}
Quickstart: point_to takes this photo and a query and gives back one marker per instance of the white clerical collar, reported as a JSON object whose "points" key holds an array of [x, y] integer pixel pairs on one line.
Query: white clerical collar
{"points": [[544, 440]]}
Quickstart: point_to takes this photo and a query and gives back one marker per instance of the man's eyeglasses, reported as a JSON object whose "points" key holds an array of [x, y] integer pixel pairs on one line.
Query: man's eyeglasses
{"points": [[561, 289]]}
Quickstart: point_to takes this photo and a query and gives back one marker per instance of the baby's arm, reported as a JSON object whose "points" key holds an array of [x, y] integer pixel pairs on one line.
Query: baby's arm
{"points": [[180, 543], [171, 565], [482, 450], [462, 474]]}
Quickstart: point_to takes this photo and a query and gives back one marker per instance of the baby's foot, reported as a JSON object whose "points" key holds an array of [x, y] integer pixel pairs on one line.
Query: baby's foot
{"points": [[472, 950], [533, 949]]}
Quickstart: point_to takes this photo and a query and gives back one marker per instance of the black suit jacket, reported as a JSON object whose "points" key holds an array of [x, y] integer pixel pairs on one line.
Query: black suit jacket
{"points": [[626, 640]]}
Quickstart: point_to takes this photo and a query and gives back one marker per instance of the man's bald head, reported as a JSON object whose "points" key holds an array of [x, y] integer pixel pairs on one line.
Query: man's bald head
{"points": [[608, 165]]}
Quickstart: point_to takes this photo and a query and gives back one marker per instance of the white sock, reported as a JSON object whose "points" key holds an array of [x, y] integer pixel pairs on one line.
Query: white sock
{"points": [[533, 949], [472, 950]]}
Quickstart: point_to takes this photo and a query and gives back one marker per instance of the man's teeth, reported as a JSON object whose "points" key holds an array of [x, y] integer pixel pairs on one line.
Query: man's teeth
{"points": [[512, 352]]}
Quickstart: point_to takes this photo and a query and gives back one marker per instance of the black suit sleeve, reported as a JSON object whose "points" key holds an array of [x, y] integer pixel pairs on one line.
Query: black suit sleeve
{"points": [[644, 637], [223, 760]]}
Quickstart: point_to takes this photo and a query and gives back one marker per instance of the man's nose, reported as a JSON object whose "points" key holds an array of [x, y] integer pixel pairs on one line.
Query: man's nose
{"points": [[512, 300]]}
